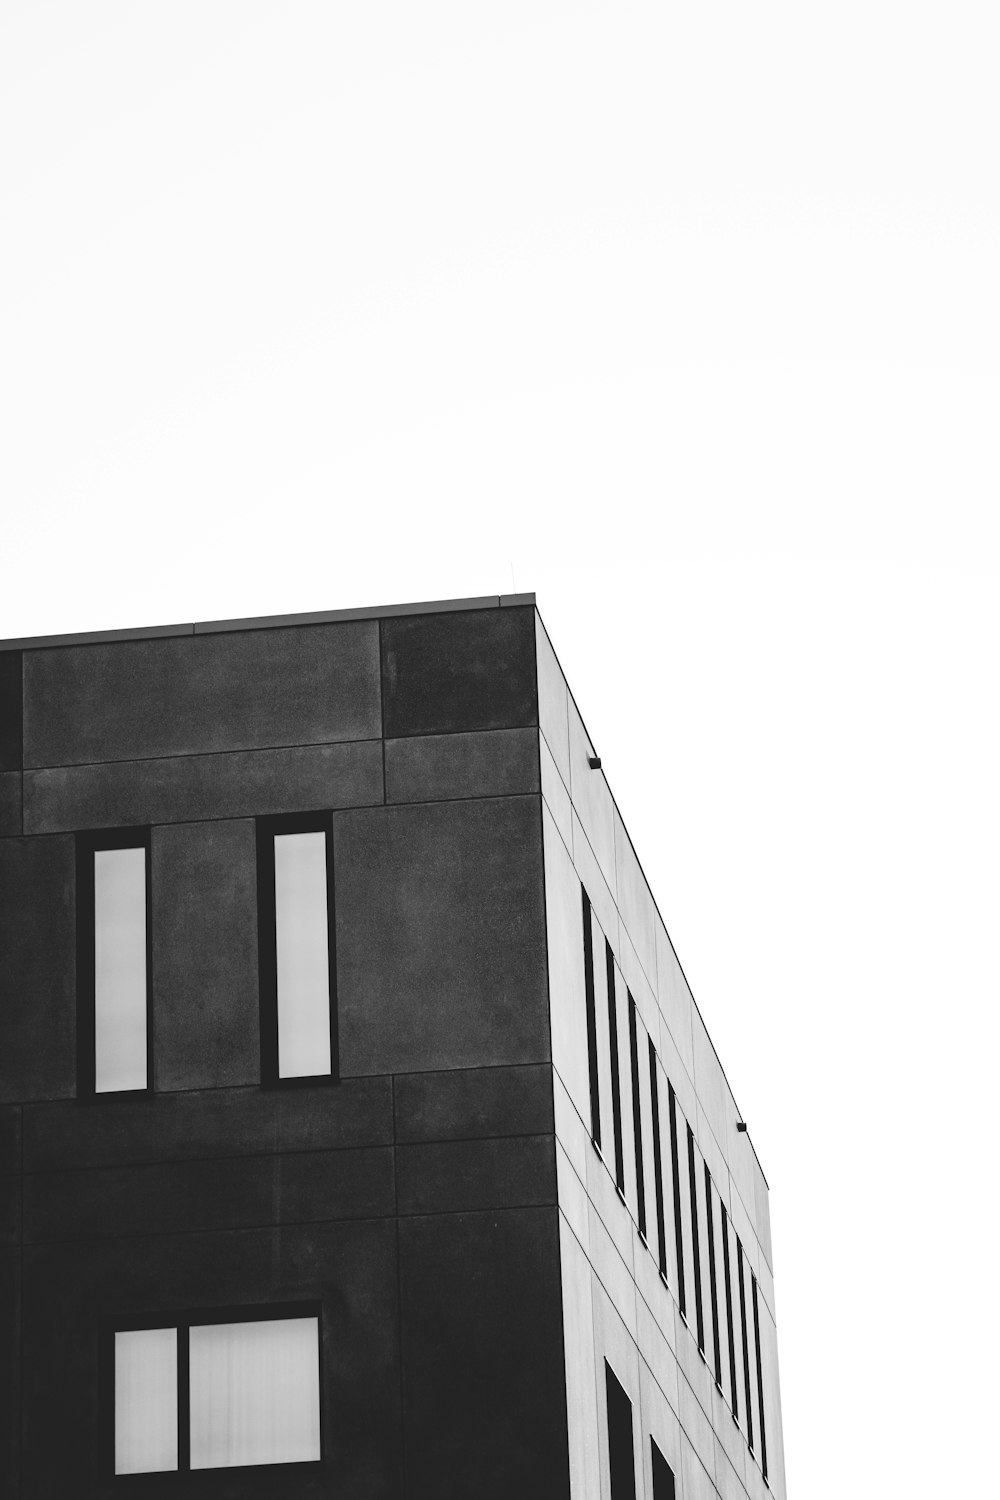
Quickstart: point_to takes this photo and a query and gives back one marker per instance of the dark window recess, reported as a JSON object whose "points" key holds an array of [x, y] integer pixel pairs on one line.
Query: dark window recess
{"points": [[588, 976], [11, 755], [114, 963], [760, 1377], [746, 1345], [663, 1475], [699, 1311], [621, 1454], [676, 1171], [654, 1097], [616, 1086], [734, 1402], [712, 1279], [297, 953], [640, 1177], [228, 1388]]}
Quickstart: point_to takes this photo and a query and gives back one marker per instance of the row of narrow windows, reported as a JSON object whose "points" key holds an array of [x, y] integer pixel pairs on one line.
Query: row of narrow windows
{"points": [[298, 1013], [640, 1132]]}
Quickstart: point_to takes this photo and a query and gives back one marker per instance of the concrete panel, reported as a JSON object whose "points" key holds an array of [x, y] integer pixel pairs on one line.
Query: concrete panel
{"points": [[437, 767], [674, 997], [659, 1423], [583, 1413], [239, 1193], [553, 701], [451, 1176], [184, 788], [10, 1210], [635, 904], [37, 968], [772, 1402], [10, 711], [714, 1095], [572, 1196], [351, 1268], [186, 694], [10, 803], [10, 1139], [10, 1372], [206, 1017], [567, 991], [572, 1132], [483, 1344], [762, 1210], [197, 1124], [556, 794], [614, 1341], [469, 1104], [590, 873], [441, 936], [592, 801], [449, 672]]}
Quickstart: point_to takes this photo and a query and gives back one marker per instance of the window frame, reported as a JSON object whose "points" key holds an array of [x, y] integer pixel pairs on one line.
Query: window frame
{"points": [[88, 844], [267, 828], [183, 1320]]}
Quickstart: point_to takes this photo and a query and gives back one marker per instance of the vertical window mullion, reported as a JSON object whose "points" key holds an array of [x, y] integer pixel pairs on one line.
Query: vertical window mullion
{"points": [[588, 975], [712, 1279], [746, 1345], [729, 1313], [699, 1311], [640, 1177], [676, 1174], [616, 1096], [661, 1225], [184, 1398]]}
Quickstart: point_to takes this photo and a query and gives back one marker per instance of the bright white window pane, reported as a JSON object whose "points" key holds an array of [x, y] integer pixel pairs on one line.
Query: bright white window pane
{"points": [[146, 1401], [254, 1393], [303, 954], [120, 969]]}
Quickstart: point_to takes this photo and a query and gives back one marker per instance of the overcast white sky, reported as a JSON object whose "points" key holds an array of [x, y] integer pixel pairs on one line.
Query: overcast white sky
{"points": [[685, 316]]}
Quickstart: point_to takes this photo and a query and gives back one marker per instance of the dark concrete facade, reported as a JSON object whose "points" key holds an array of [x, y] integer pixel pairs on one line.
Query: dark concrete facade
{"points": [[422, 1199]]}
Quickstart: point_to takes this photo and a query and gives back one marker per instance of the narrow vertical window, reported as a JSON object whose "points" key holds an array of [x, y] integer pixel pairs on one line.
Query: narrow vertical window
{"points": [[661, 1226], [663, 1475], [621, 1452], [616, 1085], [746, 1345], [588, 976], [640, 1179], [145, 1376], [113, 962], [760, 1377], [699, 1312], [712, 1279], [676, 1172], [297, 954], [729, 1313]]}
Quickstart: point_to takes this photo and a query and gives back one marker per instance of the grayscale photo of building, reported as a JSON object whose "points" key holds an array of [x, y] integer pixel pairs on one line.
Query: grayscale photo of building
{"points": [[360, 1136]]}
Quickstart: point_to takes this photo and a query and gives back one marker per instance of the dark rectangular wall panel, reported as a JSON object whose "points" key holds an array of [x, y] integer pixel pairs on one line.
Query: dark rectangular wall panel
{"points": [[434, 767], [206, 1029], [182, 788], [446, 1176], [351, 1268], [440, 936], [10, 803], [10, 711], [38, 968], [483, 1375], [10, 1376], [185, 694], [208, 1123], [449, 672], [468, 1104]]}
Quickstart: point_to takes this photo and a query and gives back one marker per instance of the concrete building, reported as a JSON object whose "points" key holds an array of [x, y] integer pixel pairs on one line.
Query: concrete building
{"points": [[359, 1135]]}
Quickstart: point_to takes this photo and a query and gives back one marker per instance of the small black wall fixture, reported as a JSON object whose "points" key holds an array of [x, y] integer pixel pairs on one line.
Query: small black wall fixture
{"points": [[594, 762]]}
